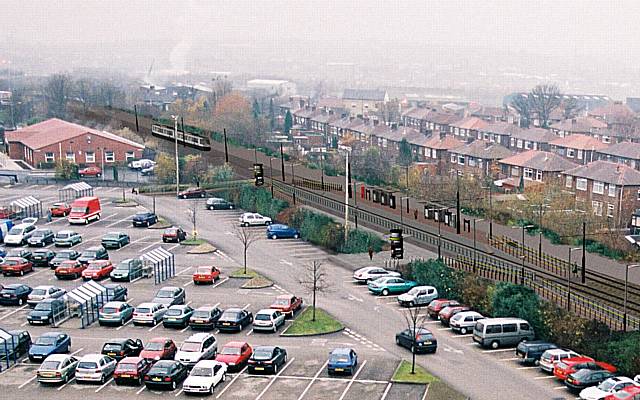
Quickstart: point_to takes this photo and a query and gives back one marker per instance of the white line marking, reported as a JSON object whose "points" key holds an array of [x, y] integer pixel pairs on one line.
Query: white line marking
{"points": [[220, 283], [498, 350], [386, 391], [250, 332], [352, 379], [141, 389], [117, 222], [173, 247], [27, 382], [527, 367], [313, 379], [187, 284], [183, 271], [544, 377], [230, 383], [155, 326], [245, 307], [274, 379], [179, 392], [125, 324], [13, 312], [77, 351], [426, 391], [105, 385], [510, 359], [63, 386], [150, 246]]}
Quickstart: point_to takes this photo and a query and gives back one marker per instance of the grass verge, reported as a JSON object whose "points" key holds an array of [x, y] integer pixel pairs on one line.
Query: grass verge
{"points": [[193, 242], [403, 374], [204, 248], [239, 274], [259, 282], [161, 224], [304, 326]]}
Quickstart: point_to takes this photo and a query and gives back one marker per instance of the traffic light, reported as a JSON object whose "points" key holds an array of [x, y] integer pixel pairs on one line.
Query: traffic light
{"points": [[397, 245], [258, 174]]}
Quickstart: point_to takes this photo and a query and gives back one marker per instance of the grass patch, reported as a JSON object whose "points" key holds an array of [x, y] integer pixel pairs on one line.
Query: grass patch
{"points": [[204, 248], [193, 242], [403, 375], [258, 282], [239, 273], [303, 326], [161, 224]]}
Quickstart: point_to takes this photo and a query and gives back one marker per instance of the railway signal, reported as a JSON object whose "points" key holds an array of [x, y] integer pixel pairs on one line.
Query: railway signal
{"points": [[397, 245], [258, 174]]}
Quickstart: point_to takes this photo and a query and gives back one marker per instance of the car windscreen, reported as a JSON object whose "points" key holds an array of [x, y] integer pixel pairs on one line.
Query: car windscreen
{"points": [[39, 292], [38, 233], [64, 255], [16, 231], [159, 370], [127, 367], [202, 372], [45, 341], [112, 347], [11, 263], [96, 266], [154, 346], [262, 355], [339, 358], [62, 235], [43, 306], [281, 302], [203, 270], [111, 236], [51, 365], [165, 294], [170, 231], [201, 314], [607, 385], [87, 365], [109, 310], [230, 316], [123, 266], [263, 317], [231, 351], [8, 290], [190, 346], [172, 312], [80, 209], [143, 310], [89, 253]]}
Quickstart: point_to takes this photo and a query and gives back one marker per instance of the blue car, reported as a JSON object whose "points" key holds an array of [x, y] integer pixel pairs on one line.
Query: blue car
{"points": [[276, 231], [3, 253], [49, 343], [342, 360]]}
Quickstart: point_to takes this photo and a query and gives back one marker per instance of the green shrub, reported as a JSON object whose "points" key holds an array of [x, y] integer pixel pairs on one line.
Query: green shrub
{"points": [[477, 292], [511, 300], [436, 273], [602, 249], [360, 241]]}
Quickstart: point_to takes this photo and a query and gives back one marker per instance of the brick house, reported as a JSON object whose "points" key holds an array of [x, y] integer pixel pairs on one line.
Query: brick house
{"points": [[614, 114], [579, 148], [627, 153], [364, 101], [534, 167], [437, 150], [54, 139], [467, 128], [531, 139], [497, 132], [578, 125], [477, 158]]}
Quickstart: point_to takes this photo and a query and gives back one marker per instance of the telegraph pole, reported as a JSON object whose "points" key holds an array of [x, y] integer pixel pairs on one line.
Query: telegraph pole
{"points": [[226, 150], [584, 251], [282, 162], [458, 204], [346, 198], [175, 136]]}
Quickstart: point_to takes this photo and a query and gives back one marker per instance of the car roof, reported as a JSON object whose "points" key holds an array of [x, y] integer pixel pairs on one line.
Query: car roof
{"points": [[560, 351], [165, 363], [235, 344], [52, 334], [160, 339], [115, 233], [22, 225], [341, 351], [268, 311], [207, 363], [130, 360], [233, 310], [44, 287], [198, 337], [169, 288], [147, 304], [178, 307], [278, 226], [205, 308], [112, 285], [58, 357], [465, 313], [13, 285], [116, 341], [66, 231], [263, 348], [92, 357], [284, 296], [115, 303]]}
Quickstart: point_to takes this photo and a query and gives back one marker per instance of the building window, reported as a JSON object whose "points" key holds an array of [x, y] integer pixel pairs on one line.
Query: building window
{"points": [[579, 154], [515, 171], [528, 173], [109, 156], [49, 158], [519, 143], [571, 153], [89, 157], [606, 139], [129, 155], [472, 162], [454, 158], [539, 175], [638, 195], [71, 156], [597, 207], [513, 142], [598, 187], [535, 145], [569, 182], [527, 145], [610, 208], [612, 190], [461, 160], [581, 184], [434, 153]]}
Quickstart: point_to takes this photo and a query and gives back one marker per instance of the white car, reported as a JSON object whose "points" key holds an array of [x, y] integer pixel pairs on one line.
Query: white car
{"points": [[148, 313], [19, 234], [365, 274], [141, 164], [201, 346], [419, 295], [550, 357], [95, 368], [268, 320], [609, 386], [464, 321], [57, 368], [40, 293], [253, 219], [205, 376]]}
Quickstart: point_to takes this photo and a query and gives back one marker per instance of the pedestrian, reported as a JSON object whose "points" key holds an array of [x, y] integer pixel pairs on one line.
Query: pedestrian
{"points": [[370, 253], [48, 215], [415, 214]]}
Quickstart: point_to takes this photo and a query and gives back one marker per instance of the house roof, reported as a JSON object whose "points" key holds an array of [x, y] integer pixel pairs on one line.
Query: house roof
{"points": [[539, 135], [416, 112], [442, 118], [445, 143], [364, 94], [472, 123], [623, 149], [579, 125], [484, 150], [489, 111], [580, 142], [542, 160], [55, 130], [613, 112], [501, 128], [607, 172], [330, 102]]}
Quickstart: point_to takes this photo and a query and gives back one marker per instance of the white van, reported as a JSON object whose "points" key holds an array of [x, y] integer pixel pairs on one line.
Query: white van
{"points": [[496, 332]]}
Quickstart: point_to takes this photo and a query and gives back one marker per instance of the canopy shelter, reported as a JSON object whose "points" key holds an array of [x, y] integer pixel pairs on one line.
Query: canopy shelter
{"points": [[85, 302], [75, 190], [162, 262], [8, 347], [27, 207]]}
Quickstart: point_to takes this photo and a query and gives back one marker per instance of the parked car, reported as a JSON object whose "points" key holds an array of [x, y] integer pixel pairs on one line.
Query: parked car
{"points": [[46, 311], [71, 269], [267, 359], [60, 209], [214, 203], [85, 210], [29, 220], [170, 295], [434, 308], [17, 346], [566, 367], [177, 316], [127, 270], [64, 255], [496, 332], [342, 360], [608, 387], [165, 374], [16, 266], [141, 164], [280, 231], [41, 237], [199, 346], [205, 376], [148, 171], [14, 293], [116, 292], [464, 321], [97, 270], [148, 313], [49, 343], [95, 368], [131, 371], [418, 296], [366, 274], [419, 341], [25, 253], [206, 274], [67, 238], [115, 240], [530, 351], [160, 348], [42, 257], [115, 312], [93, 253], [144, 218], [287, 304], [95, 172], [234, 319], [585, 378], [551, 357], [268, 320], [192, 193], [628, 393], [44, 292], [174, 234], [121, 348], [205, 317], [19, 234], [390, 285], [448, 312], [57, 368], [253, 219], [235, 355]]}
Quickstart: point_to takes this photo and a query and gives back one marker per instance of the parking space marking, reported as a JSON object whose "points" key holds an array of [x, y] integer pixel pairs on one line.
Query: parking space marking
{"points": [[13, 312], [125, 324], [274, 379], [498, 350], [185, 328], [119, 221], [224, 389], [105, 385], [444, 329], [559, 387], [250, 332], [313, 379], [537, 378], [179, 392], [353, 378], [150, 246], [63, 386], [220, 283], [426, 391], [27, 382], [107, 217], [35, 273], [510, 359], [386, 391], [187, 284], [141, 389], [184, 270], [154, 327], [77, 351], [463, 336], [173, 247], [247, 306], [533, 367]]}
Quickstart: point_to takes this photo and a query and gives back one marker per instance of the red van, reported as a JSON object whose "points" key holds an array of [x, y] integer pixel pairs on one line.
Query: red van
{"points": [[85, 210]]}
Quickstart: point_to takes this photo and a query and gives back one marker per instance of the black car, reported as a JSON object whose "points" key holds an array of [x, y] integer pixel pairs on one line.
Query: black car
{"points": [[174, 235], [177, 316], [165, 374], [14, 293], [144, 219], [116, 292], [63, 255], [234, 319], [531, 351], [586, 377], [24, 253], [46, 311], [93, 253], [121, 348], [42, 258], [192, 193], [17, 346], [115, 240], [267, 359], [205, 317], [216, 203], [41, 237], [170, 296], [424, 341]]}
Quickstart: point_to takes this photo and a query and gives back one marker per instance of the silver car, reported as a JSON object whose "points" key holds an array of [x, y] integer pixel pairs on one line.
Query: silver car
{"points": [[148, 313], [67, 238], [268, 320], [95, 368], [40, 293], [464, 321]]}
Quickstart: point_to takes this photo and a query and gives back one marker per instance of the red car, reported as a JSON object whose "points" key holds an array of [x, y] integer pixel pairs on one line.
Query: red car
{"points": [[568, 366], [7, 213], [160, 348], [130, 370], [60, 209], [173, 235], [287, 304], [235, 355], [16, 266], [98, 269], [192, 193], [628, 393], [90, 171], [70, 269], [434, 308], [446, 313], [208, 274]]}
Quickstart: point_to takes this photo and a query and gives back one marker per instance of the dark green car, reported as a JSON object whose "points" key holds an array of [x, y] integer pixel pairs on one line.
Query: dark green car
{"points": [[115, 240], [177, 316], [42, 257]]}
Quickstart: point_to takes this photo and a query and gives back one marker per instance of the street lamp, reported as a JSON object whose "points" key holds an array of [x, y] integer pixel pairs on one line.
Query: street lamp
{"points": [[626, 293], [175, 136], [569, 272], [401, 211], [490, 188], [523, 229], [271, 175], [475, 250]]}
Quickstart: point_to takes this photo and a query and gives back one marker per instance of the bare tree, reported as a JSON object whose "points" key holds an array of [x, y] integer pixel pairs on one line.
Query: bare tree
{"points": [[247, 237], [571, 108], [544, 99], [56, 92], [523, 107], [414, 321], [314, 281]]}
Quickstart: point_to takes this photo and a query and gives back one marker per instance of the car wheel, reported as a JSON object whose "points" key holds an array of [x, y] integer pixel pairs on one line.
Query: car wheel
{"points": [[285, 359], [20, 302], [463, 331], [275, 368], [245, 224], [173, 385], [209, 208], [231, 207], [495, 344], [21, 272], [413, 349], [296, 236], [210, 391], [102, 379], [385, 292], [412, 303], [184, 196], [224, 377], [146, 224], [274, 236]]}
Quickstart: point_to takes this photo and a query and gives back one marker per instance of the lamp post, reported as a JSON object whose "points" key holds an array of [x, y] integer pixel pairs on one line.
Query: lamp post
{"points": [[490, 188], [626, 293], [402, 211], [569, 271], [355, 203], [271, 176], [475, 249], [523, 246], [175, 136], [293, 180]]}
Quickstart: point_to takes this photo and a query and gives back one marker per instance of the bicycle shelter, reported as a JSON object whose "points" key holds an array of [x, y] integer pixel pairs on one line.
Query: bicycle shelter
{"points": [[162, 262], [86, 301], [8, 356], [73, 191], [27, 206]]}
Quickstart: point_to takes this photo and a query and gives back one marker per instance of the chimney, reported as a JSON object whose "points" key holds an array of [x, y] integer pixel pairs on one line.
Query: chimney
{"points": [[443, 134], [573, 121], [375, 122], [330, 111], [351, 117], [301, 102], [313, 108], [306, 107], [394, 126]]}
